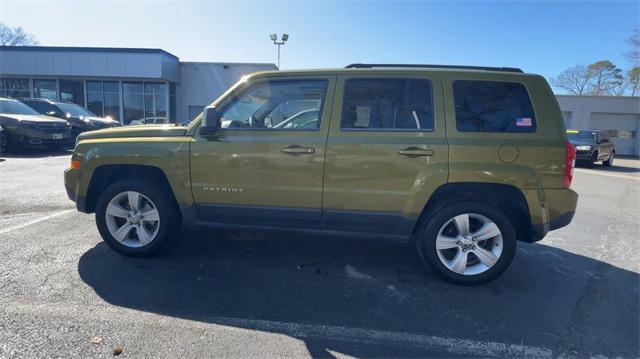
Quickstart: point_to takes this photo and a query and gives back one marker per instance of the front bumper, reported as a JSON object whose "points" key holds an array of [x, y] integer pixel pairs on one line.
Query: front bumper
{"points": [[34, 136], [71, 184], [585, 155]]}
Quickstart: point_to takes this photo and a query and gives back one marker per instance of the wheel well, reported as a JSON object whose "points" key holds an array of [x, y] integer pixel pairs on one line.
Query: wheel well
{"points": [[105, 175], [508, 199]]}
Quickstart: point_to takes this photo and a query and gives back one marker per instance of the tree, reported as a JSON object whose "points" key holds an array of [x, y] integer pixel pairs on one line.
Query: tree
{"points": [[634, 54], [603, 77], [573, 80], [633, 79], [15, 36]]}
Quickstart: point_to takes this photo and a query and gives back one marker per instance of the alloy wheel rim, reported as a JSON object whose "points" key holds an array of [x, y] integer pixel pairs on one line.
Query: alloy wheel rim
{"points": [[132, 219], [469, 244]]}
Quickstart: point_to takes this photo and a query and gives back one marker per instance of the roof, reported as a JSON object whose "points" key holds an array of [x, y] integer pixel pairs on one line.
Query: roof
{"points": [[86, 49], [392, 70]]}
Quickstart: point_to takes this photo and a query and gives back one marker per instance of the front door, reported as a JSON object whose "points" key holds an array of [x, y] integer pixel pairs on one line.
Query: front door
{"points": [[386, 153], [265, 165]]}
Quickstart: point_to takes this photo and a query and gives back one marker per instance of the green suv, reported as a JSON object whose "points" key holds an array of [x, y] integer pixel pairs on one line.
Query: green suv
{"points": [[462, 161]]}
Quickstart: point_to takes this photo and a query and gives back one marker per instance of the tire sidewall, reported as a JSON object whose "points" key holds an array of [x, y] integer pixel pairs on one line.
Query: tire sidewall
{"points": [[159, 198], [427, 241]]}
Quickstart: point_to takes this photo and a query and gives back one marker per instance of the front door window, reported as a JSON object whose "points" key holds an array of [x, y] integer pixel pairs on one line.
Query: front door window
{"points": [[277, 105]]}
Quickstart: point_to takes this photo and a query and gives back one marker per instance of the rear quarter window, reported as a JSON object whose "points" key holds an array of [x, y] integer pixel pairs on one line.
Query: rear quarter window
{"points": [[493, 106]]}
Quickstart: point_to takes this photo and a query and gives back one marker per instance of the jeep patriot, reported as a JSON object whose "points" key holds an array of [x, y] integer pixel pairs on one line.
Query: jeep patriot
{"points": [[462, 161]]}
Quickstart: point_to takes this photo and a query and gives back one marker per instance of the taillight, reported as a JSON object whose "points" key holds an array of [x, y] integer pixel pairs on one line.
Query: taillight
{"points": [[570, 163]]}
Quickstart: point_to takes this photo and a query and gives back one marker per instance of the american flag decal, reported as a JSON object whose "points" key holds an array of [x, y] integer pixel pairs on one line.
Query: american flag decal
{"points": [[523, 122]]}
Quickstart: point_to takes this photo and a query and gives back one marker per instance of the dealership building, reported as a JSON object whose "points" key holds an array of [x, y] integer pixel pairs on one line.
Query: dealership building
{"points": [[152, 85], [618, 114], [148, 85]]}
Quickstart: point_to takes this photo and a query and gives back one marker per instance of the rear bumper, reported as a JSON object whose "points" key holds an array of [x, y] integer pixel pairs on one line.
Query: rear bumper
{"points": [[559, 209]]}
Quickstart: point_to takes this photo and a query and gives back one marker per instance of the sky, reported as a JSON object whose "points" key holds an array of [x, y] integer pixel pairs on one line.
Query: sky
{"points": [[543, 37]]}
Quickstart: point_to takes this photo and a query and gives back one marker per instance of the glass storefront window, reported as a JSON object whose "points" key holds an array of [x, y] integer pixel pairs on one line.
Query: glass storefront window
{"points": [[45, 89], [103, 98], [133, 101], [144, 103], [72, 91], [172, 103], [95, 103], [15, 88], [155, 102]]}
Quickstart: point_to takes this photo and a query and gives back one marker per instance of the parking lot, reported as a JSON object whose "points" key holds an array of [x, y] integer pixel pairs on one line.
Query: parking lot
{"points": [[242, 294]]}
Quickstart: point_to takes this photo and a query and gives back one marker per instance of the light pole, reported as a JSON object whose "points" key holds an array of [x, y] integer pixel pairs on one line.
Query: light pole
{"points": [[284, 39]]}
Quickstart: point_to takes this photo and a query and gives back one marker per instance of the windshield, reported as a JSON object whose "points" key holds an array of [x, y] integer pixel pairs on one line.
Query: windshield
{"points": [[581, 136], [74, 110], [16, 108]]}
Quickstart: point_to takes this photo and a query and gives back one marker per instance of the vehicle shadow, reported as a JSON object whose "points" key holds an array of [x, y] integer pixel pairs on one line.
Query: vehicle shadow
{"points": [[550, 298], [36, 152]]}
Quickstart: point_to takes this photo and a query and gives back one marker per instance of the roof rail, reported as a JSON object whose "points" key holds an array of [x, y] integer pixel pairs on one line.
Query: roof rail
{"points": [[459, 67]]}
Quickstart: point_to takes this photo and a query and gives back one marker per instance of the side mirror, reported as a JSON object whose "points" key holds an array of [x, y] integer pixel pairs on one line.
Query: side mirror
{"points": [[211, 121]]}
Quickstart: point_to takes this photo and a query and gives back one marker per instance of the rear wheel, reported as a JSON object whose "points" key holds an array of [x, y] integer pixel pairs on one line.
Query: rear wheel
{"points": [[609, 161], [136, 217], [468, 243]]}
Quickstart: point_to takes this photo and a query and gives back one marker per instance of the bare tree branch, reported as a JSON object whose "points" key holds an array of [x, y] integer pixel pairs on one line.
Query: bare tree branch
{"points": [[15, 36], [574, 80], [633, 80], [634, 54]]}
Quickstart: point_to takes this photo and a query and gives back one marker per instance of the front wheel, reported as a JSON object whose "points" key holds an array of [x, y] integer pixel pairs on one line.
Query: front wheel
{"points": [[136, 217], [468, 243], [609, 161]]}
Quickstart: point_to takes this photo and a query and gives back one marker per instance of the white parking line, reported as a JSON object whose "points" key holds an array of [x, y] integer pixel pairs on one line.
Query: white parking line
{"points": [[607, 174], [464, 347], [34, 221], [461, 347]]}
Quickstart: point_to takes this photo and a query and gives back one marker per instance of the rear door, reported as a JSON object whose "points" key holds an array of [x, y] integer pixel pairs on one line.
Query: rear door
{"points": [[386, 152], [260, 168]]}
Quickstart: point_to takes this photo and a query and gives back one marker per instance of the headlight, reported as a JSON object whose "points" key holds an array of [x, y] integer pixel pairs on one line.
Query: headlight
{"points": [[583, 148]]}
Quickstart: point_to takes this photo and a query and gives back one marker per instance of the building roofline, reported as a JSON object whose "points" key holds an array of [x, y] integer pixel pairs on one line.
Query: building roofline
{"points": [[87, 49], [228, 63], [598, 96]]}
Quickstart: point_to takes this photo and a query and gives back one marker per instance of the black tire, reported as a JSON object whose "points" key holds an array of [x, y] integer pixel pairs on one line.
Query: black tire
{"points": [[609, 161], [426, 241], [593, 159], [3, 141], [164, 203]]}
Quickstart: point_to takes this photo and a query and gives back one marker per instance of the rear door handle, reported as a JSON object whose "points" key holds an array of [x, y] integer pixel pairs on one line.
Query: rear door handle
{"points": [[415, 152], [298, 150]]}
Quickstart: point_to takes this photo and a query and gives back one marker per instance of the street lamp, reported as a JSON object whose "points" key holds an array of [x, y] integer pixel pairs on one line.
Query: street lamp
{"points": [[284, 39]]}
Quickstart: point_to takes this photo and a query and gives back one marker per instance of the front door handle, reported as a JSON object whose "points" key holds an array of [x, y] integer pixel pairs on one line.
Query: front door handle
{"points": [[415, 152], [298, 150]]}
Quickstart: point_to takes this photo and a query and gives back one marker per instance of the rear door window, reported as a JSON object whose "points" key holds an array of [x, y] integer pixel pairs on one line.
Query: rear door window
{"points": [[388, 104], [493, 106]]}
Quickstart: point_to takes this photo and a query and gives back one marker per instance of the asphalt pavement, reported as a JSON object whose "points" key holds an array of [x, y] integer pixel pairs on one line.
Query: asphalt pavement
{"points": [[64, 293]]}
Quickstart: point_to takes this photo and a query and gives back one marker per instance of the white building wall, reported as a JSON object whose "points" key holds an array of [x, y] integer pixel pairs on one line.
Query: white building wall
{"points": [[86, 62], [605, 112], [201, 83]]}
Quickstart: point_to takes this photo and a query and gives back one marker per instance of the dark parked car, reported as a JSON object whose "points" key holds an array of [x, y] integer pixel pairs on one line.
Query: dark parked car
{"points": [[80, 118], [592, 146], [22, 125]]}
